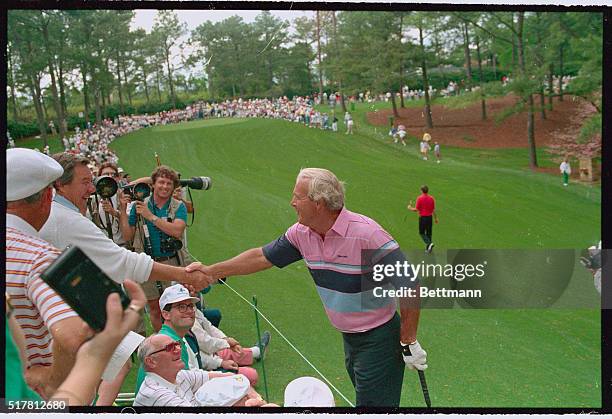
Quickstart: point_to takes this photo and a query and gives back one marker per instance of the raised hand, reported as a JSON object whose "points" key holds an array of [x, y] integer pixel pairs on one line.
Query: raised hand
{"points": [[118, 322], [108, 208], [123, 200], [143, 210]]}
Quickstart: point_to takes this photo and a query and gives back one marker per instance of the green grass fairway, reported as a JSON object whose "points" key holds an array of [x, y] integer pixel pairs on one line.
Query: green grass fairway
{"points": [[477, 358]]}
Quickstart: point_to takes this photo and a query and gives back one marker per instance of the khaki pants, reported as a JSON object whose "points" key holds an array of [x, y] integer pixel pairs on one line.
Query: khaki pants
{"points": [[152, 291]]}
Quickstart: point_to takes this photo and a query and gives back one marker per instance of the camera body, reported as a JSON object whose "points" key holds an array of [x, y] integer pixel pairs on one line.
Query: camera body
{"points": [[137, 192], [169, 244]]}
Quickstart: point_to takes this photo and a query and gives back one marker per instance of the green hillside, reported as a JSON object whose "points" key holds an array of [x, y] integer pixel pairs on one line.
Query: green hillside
{"points": [[496, 358]]}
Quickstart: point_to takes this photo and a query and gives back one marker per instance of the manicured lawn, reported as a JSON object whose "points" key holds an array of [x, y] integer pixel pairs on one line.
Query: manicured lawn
{"points": [[493, 358]]}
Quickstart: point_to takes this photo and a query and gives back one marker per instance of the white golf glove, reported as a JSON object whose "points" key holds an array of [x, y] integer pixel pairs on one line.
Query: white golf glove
{"points": [[414, 356]]}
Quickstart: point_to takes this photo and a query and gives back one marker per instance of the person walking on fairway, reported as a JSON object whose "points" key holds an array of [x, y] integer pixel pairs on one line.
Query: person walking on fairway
{"points": [[425, 145], [349, 126], [426, 207], [566, 170], [437, 151]]}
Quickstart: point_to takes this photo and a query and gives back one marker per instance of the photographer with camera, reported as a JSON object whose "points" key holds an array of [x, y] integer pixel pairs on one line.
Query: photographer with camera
{"points": [[108, 207], [156, 225], [67, 225]]}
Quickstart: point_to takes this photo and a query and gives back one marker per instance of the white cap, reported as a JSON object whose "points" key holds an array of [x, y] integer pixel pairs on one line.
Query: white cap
{"points": [[174, 294], [28, 172], [223, 391], [308, 392]]}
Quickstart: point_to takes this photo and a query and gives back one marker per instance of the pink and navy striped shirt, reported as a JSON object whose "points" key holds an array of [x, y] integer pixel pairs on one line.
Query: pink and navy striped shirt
{"points": [[337, 267]]}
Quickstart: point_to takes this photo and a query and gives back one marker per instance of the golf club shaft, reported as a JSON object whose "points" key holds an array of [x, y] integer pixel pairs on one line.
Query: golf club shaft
{"points": [[424, 387]]}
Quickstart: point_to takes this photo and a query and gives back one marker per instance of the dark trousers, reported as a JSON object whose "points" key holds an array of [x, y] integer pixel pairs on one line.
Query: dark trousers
{"points": [[425, 228], [375, 365]]}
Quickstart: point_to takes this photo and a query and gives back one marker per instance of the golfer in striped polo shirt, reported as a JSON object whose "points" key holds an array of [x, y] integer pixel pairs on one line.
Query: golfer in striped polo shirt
{"points": [[331, 240]]}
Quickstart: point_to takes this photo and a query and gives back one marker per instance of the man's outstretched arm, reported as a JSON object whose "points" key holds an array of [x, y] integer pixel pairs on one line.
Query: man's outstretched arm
{"points": [[248, 262]]}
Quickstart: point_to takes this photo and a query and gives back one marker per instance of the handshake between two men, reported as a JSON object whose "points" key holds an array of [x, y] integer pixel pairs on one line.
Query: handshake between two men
{"points": [[246, 263]]}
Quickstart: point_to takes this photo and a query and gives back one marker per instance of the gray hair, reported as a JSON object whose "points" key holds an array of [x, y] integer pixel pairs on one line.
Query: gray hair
{"points": [[69, 161], [28, 200], [145, 349], [324, 185]]}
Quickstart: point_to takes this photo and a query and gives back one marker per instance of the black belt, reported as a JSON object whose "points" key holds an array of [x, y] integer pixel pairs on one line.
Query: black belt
{"points": [[164, 258]]}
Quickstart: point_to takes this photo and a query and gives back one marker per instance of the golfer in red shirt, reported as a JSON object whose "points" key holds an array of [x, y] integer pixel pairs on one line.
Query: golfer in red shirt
{"points": [[426, 206]]}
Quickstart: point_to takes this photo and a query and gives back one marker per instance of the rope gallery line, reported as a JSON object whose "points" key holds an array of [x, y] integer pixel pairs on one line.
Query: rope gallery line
{"points": [[285, 339]]}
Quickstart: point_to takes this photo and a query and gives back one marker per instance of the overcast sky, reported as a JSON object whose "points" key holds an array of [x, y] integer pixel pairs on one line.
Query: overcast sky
{"points": [[144, 18]]}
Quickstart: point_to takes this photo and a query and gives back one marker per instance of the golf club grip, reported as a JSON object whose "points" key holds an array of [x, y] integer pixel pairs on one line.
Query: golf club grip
{"points": [[424, 388]]}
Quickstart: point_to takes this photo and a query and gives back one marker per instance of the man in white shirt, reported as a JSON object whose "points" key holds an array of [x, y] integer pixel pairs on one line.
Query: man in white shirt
{"points": [[166, 382], [67, 225]]}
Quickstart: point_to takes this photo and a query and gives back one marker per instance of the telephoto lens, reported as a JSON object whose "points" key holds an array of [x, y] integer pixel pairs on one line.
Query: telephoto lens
{"points": [[106, 186], [197, 182]]}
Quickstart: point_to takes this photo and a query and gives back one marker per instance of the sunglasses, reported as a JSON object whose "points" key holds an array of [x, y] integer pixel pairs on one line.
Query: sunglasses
{"points": [[168, 348]]}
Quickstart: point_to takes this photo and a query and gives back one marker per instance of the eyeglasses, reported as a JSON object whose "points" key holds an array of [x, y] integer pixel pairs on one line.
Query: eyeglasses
{"points": [[171, 347], [113, 174], [182, 308]]}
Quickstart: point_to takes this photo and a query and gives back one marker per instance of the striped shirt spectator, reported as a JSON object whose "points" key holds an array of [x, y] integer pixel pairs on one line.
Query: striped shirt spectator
{"points": [[37, 307]]}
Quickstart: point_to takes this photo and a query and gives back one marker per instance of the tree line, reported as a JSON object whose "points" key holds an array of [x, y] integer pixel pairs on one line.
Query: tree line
{"points": [[60, 60]]}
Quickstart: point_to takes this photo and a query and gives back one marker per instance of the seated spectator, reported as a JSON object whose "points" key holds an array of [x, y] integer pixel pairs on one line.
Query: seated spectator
{"points": [[178, 315], [168, 383], [212, 314], [220, 351]]}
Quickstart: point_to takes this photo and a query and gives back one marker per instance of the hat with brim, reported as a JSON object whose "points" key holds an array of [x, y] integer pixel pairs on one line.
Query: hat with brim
{"points": [[426, 137], [308, 392], [29, 172], [223, 391], [175, 294]]}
